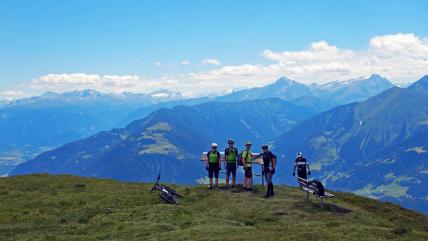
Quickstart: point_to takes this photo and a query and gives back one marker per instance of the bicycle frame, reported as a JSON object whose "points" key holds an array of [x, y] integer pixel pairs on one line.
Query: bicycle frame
{"points": [[166, 193]]}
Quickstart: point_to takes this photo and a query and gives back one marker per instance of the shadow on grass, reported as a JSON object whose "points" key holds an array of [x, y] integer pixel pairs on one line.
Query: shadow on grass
{"points": [[312, 207]]}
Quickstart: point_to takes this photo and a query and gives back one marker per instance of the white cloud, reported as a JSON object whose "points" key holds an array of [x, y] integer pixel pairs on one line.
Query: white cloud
{"points": [[210, 61], [105, 83], [12, 94], [185, 62], [158, 64], [400, 57]]}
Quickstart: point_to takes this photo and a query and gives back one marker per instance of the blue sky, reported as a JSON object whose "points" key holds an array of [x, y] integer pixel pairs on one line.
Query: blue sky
{"points": [[166, 42]]}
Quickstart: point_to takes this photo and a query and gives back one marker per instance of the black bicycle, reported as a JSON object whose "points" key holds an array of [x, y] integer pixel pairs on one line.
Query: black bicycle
{"points": [[168, 194]]}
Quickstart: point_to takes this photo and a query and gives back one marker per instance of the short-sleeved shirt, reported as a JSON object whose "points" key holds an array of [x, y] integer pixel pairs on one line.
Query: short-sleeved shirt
{"points": [[301, 161], [246, 154], [231, 154], [267, 158], [210, 154]]}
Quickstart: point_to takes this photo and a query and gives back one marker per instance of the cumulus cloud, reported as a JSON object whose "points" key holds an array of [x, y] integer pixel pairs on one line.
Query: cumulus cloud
{"points": [[185, 62], [210, 61], [12, 94], [106, 83], [400, 57]]}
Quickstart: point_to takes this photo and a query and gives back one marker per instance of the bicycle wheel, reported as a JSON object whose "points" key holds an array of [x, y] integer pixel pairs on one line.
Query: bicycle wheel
{"points": [[171, 191], [168, 197]]}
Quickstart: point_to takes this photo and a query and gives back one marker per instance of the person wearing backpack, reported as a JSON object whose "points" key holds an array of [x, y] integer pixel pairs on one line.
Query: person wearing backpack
{"points": [[247, 161], [302, 166], [269, 163], [213, 164], [230, 157]]}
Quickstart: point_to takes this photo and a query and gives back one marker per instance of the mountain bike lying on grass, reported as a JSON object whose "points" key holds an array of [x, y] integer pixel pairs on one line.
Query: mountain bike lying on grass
{"points": [[168, 194], [315, 187]]}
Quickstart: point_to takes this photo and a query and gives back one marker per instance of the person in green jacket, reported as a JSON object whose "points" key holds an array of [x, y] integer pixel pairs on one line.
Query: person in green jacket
{"points": [[230, 157], [248, 163], [213, 164]]}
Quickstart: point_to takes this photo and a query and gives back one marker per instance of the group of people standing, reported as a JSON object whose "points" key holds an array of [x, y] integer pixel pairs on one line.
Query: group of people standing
{"points": [[232, 159]]}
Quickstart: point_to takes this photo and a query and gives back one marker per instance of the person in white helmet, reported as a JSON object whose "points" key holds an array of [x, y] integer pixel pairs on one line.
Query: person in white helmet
{"points": [[302, 167], [213, 164]]}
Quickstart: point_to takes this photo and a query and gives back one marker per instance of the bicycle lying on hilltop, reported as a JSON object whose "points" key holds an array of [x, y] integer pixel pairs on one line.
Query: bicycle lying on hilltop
{"points": [[168, 194]]}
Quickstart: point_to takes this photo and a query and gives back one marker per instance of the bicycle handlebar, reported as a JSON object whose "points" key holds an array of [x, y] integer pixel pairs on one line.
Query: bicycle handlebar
{"points": [[156, 184]]}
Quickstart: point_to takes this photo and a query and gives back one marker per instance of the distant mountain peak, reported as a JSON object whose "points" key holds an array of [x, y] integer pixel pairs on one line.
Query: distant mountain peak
{"points": [[284, 80], [83, 93], [422, 83], [74, 93], [329, 85], [372, 78], [376, 76], [424, 79]]}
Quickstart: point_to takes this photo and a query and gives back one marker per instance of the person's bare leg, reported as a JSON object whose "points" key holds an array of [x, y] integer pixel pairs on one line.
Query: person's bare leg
{"points": [[211, 182], [233, 181], [227, 181], [244, 182], [216, 182]]}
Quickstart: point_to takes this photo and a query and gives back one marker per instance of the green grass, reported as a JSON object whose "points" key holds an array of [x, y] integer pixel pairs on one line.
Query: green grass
{"points": [[43, 207], [393, 189], [162, 145]]}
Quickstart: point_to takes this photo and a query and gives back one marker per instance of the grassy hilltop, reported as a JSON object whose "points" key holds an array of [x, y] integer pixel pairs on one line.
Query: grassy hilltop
{"points": [[43, 207]]}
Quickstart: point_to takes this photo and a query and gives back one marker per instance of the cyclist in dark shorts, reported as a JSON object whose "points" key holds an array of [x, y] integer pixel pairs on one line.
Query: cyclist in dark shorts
{"points": [[302, 167], [213, 164], [230, 158], [247, 160], [269, 163]]}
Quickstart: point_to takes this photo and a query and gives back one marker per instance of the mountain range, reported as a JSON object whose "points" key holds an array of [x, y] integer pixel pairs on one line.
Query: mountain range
{"points": [[32, 125], [169, 141], [319, 97], [376, 148]]}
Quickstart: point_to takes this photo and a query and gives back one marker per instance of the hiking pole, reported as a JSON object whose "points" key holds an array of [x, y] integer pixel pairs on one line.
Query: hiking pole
{"points": [[263, 180]]}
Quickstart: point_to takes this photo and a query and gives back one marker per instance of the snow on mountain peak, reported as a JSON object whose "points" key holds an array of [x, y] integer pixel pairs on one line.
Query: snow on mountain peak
{"points": [[164, 93]]}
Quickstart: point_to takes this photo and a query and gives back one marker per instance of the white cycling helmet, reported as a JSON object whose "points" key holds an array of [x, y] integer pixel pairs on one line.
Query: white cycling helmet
{"points": [[214, 145], [299, 154]]}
